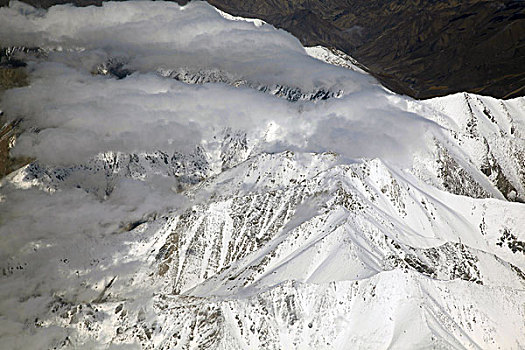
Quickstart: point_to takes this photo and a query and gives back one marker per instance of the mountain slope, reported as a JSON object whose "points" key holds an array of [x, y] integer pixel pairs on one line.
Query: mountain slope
{"points": [[419, 48], [203, 181]]}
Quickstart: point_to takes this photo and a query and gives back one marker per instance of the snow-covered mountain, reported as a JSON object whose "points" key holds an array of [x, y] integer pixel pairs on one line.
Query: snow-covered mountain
{"points": [[203, 181]]}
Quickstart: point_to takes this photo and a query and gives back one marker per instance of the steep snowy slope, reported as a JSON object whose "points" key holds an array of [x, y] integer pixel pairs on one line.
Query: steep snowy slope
{"points": [[407, 265], [487, 133], [203, 181]]}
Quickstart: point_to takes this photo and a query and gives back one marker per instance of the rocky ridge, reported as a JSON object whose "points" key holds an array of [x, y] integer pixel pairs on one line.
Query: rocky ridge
{"points": [[288, 249]]}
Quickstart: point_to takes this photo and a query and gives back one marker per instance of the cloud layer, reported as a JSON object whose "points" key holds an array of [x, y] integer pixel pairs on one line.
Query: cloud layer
{"points": [[70, 115], [154, 35]]}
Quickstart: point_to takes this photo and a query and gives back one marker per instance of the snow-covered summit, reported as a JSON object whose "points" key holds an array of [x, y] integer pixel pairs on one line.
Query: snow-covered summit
{"points": [[203, 181]]}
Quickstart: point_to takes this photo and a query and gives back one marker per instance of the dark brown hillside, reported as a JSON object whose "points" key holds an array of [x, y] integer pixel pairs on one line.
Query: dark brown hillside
{"points": [[423, 48]]}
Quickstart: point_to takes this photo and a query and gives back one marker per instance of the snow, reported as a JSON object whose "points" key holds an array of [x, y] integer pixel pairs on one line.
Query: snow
{"points": [[335, 57], [235, 190]]}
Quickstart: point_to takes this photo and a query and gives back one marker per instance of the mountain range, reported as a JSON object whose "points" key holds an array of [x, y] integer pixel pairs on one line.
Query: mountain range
{"points": [[197, 180]]}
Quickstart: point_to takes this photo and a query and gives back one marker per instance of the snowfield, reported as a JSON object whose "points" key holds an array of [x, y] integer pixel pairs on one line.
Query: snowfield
{"points": [[202, 181]]}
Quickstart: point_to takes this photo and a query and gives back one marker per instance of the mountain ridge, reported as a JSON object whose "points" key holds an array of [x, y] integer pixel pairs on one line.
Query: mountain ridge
{"points": [[364, 219]]}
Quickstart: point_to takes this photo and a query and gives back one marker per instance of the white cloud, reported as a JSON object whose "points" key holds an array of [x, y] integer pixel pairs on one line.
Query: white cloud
{"points": [[79, 115], [163, 35], [70, 115]]}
